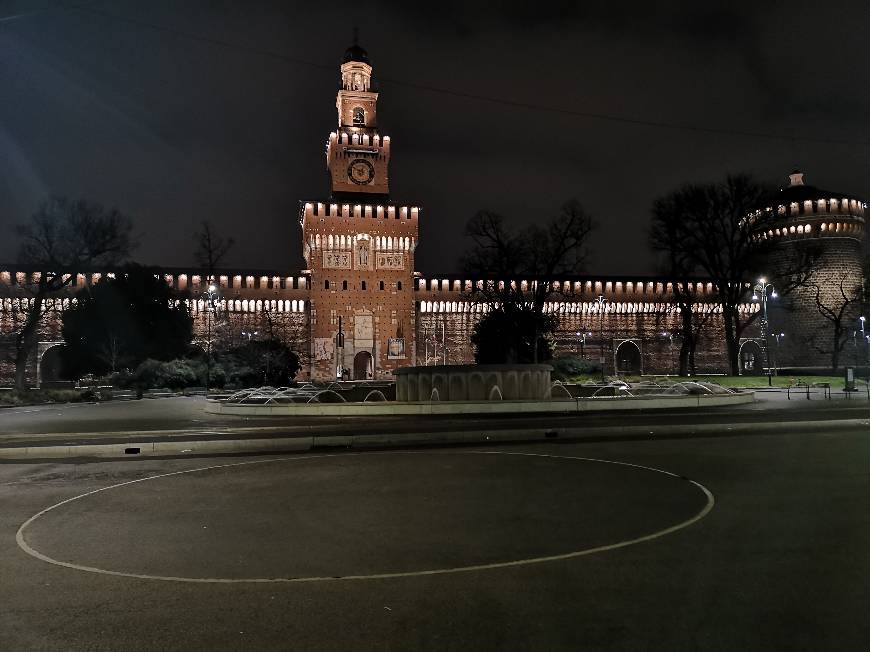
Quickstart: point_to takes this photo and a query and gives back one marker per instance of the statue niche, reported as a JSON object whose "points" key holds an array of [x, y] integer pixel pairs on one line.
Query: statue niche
{"points": [[362, 255]]}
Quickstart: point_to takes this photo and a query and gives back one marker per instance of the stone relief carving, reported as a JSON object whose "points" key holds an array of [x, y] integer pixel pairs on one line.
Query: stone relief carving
{"points": [[390, 261], [336, 260]]}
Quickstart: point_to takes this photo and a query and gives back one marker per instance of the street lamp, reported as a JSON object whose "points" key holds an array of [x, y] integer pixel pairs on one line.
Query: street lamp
{"points": [[779, 337], [211, 296], [670, 337], [601, 301], [583, 337], [763, 287]]}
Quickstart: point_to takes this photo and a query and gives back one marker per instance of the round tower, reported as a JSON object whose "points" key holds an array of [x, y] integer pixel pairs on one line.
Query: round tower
{"points": [[811, 239]]}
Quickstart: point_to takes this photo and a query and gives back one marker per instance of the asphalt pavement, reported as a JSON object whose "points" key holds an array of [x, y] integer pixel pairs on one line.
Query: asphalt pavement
{"points": [[183, 419], [778, 562]]}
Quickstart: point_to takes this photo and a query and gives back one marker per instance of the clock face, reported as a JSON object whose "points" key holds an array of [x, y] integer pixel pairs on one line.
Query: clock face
{"points": [[360, 171]]}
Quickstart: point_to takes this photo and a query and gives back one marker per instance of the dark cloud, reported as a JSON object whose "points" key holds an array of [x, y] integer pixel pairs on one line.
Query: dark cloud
{"points": [[174, 129]]}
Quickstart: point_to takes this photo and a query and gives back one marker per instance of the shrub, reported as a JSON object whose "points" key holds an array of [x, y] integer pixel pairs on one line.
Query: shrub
{"points": [[568, 366]]}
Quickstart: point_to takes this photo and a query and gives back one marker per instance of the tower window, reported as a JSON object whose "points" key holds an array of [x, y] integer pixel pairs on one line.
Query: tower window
{"points": [[344, 285], [359, 117], [382, 285], [326, 285], [363, 285], [398, 285]]}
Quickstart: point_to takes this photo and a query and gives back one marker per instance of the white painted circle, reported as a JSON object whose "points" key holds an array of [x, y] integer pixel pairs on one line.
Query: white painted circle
{"points": [[22, 543]]}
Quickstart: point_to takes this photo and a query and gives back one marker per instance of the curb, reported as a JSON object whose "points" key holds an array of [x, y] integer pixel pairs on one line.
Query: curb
{"points": [[200, 447]]}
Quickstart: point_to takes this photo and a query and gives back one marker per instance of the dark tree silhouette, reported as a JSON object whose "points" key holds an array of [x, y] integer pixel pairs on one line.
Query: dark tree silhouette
{"points": [[703, 230], [513, 335], [62, 238], [520, 271], [679, 268], [841, 310], [260, 362], [120, 322], [211, 248]]}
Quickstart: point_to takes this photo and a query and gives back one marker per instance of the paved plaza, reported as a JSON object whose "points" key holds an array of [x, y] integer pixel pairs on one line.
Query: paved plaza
{"points": [[757, 541]]}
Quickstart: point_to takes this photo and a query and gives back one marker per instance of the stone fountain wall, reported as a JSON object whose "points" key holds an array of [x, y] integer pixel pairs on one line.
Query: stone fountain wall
{"points": [[473, 383]]}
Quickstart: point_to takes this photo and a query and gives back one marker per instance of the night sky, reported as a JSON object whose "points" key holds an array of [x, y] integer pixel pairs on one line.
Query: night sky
{"points": [[177, 112]]}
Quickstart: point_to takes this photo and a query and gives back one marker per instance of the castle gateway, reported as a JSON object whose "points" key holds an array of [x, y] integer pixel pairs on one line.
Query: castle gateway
{"points": [[360, 310]]}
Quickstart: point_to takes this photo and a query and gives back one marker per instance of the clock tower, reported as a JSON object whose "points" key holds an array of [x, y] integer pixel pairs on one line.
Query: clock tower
{"points": [[359, 246], [356, 155]]}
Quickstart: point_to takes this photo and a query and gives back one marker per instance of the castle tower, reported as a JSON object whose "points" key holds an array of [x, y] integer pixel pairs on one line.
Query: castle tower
{"points": [[356, 156], [803, 223], [359, 246]]}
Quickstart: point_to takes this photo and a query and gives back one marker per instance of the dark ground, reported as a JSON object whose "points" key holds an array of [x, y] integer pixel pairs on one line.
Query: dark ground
{"points": [[781, 561], [185, 417]]}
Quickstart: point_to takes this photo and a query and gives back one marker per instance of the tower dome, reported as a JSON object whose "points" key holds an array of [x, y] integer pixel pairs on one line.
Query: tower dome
{"points": [[355, 53]]}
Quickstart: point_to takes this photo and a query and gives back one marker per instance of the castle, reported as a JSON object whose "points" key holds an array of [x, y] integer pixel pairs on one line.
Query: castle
{"points": [[361, 310]]}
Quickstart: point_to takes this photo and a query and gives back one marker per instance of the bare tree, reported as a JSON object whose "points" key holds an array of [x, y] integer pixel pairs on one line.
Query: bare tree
{"points": [[540, 254], [62, 238], [679, 267], [840, 310], [211, 248], [517, 271], [704, 230]]}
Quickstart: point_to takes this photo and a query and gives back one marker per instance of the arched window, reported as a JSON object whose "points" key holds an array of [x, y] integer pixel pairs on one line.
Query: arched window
{"points": [[359, 117]]}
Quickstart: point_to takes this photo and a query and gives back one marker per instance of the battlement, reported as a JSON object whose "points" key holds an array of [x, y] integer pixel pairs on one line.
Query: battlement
{"points": [[359, 138], [809, 209], [628, 288], [574, 296], [228, 283], [567, 308], [347, 145], [332, 210]]}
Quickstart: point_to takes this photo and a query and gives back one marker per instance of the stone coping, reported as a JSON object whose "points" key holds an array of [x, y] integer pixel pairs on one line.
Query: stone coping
{"points": [[565, 406], [470, 368]]}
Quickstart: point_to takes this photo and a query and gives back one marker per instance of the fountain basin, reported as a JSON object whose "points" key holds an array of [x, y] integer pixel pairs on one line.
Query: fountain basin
{"points": [[496, 382]]}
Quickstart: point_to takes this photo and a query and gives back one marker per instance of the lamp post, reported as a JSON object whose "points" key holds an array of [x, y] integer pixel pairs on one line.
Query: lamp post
{"points": [[763, 287], [779, 337], [862, 319], [601, 301], [670, 337], [583, 337], [211, 295], [339, 350]]}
